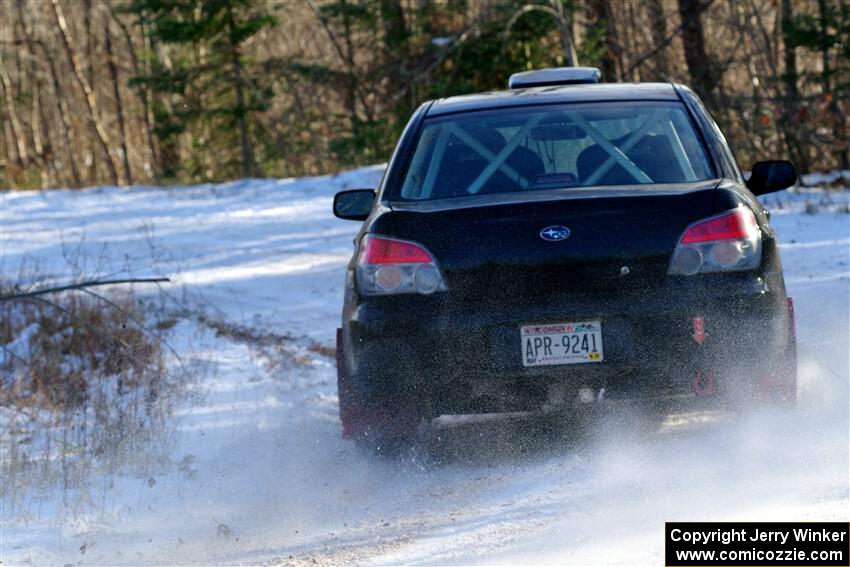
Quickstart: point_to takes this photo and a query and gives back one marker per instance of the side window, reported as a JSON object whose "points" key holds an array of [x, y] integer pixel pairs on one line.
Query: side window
{"points": [[682, 131], [723, 146]]}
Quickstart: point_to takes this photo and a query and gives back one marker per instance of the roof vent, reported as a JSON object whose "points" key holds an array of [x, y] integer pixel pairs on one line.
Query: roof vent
{"points": [[554, 76]]}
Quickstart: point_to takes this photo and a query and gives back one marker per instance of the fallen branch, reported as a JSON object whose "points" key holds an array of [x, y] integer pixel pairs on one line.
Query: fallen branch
{"points": [[80, 285]]}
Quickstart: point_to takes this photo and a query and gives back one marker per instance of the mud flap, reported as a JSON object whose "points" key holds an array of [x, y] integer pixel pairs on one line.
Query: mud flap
{"points": [[779, 384], [396, 418], [791, 355], [703, 382], [348, 414]]}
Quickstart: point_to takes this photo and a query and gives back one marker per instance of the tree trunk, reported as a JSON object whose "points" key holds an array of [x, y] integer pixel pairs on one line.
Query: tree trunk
{"points": [[823, 22], [40, 135], [838, 118], [10, 168], [790, 77], [61, 103], [17, 140], [116, 93], [628, 44], [71, 54], [792, 94], [396, 58], [170, 152], [599, 11], [568, 44], [395, 29], [11, 92], [700, 67], [142, 91], [239, 88], [89, 69], [351, 98], [658, 29]]}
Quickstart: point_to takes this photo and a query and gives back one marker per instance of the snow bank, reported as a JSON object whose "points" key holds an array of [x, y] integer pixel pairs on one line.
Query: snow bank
{"points": [[260, 252], [836, 177]]}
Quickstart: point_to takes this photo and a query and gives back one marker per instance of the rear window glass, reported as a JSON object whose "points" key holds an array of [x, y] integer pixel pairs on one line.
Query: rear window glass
{"points": [[554, 148]]}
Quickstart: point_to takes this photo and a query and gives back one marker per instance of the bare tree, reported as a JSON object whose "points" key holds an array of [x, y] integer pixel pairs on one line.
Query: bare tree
{"points": [[839, 129], [326, 83], [239, 88], [658, 29], [40, 134], [14, 124], [557, 10], [84, 85], [88, 62], [116, 93], [700, 67], [792, 93], [599, 11], [62, 103], [142, 91]]}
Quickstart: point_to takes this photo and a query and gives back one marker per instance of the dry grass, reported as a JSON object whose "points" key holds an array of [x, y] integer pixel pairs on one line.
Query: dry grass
{"points": [[84, 386], [72, 341]]}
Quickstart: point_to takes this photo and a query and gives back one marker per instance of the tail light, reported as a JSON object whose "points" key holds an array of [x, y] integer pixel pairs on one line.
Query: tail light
{"points": [[727, 242], [387, 266]]}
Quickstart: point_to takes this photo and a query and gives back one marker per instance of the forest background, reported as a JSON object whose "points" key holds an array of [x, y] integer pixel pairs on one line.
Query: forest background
{"points": [[184, 91]]}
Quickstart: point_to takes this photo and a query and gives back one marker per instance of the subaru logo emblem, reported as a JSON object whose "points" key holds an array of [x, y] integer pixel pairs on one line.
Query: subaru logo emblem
{"points": [[555, 233]]}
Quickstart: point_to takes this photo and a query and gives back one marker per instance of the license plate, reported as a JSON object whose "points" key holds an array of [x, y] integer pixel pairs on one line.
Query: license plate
{"points": [[561, 343]]}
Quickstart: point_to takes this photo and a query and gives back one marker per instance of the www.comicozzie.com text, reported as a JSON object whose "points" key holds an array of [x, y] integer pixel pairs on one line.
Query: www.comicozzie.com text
{"points": [[726, 536]]}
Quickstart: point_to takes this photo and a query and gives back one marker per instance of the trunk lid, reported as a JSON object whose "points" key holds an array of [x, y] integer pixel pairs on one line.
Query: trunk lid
{"points": [[493, 249]]}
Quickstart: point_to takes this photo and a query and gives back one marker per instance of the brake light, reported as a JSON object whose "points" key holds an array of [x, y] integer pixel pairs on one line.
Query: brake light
{"points": [[386, 251], [388, 266], [730, 241], [736, 225]]}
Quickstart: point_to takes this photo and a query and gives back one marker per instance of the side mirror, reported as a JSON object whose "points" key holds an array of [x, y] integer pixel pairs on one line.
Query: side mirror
{"points": [[771, 176], [355, 204]]}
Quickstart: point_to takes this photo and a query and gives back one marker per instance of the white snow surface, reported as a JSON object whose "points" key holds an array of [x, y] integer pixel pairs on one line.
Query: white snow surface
{"points": [[258, 473]]}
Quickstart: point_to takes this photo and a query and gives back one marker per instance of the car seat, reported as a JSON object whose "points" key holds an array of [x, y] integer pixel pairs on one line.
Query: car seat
{"points": [[461, 165], [653, 154]]}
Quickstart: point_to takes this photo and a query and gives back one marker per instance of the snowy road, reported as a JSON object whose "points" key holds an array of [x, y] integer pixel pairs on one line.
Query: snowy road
{"points": [[259, 475]]}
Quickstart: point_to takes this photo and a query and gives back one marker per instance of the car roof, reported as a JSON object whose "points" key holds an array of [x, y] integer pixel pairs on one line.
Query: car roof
{"points": [[594, 92]]}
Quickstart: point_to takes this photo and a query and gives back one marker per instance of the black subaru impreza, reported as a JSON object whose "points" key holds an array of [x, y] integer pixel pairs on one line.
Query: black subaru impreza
{"points": [[556, 245]]}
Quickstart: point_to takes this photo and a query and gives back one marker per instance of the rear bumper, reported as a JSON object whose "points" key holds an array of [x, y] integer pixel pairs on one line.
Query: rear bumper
{"points": [[467, 358]]}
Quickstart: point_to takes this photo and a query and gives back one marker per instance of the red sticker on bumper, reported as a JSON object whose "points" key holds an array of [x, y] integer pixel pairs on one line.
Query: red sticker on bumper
{"points": [[699, 330]]}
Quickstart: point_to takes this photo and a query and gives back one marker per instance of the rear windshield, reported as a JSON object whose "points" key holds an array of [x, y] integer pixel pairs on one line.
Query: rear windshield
{"points": [[580, 145]]}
